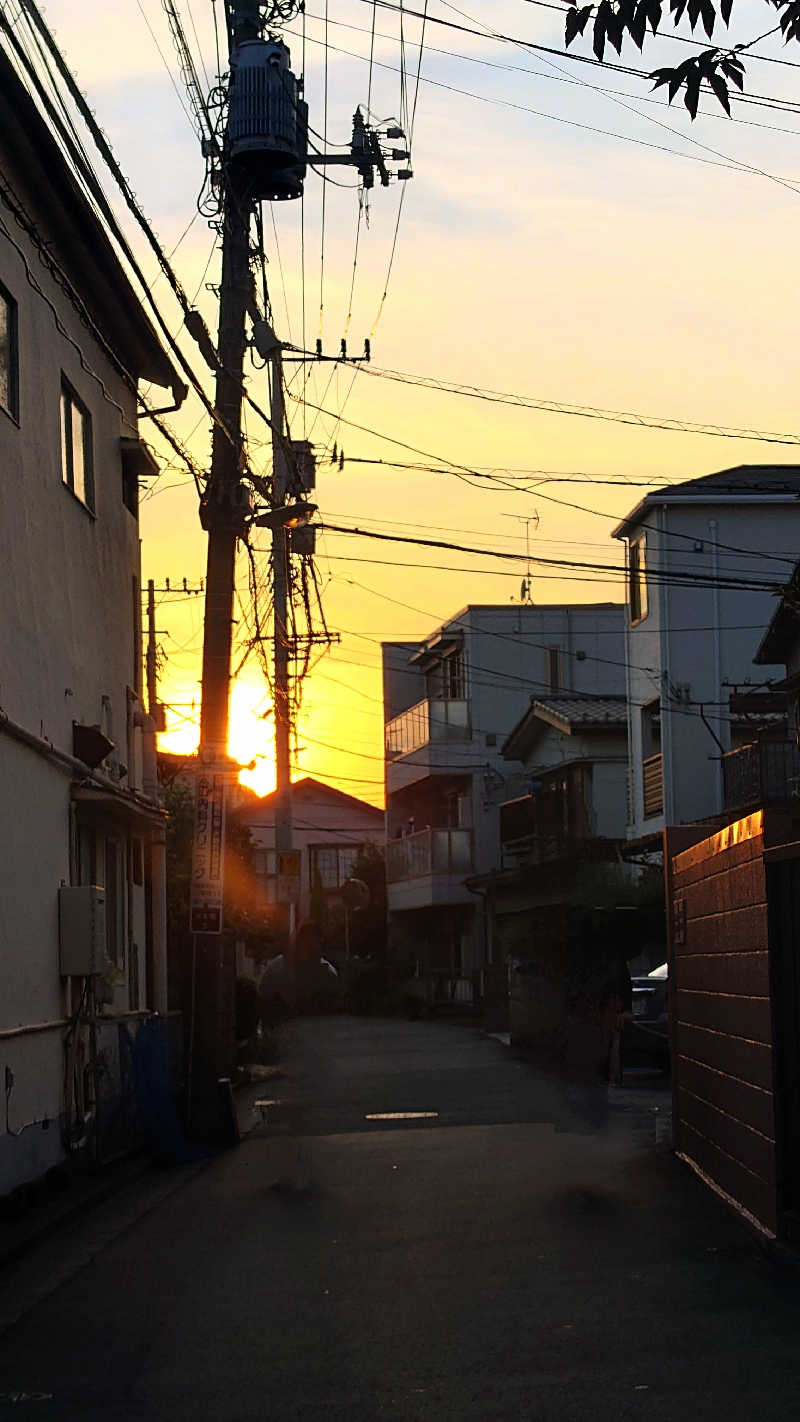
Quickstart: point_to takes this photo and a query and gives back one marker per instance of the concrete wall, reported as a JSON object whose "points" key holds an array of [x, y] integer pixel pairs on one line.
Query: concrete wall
{"points": [[695, 642], [723, 1066]]}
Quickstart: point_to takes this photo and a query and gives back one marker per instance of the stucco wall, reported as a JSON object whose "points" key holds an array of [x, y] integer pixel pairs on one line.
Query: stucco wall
{"points": [[69, 648]]}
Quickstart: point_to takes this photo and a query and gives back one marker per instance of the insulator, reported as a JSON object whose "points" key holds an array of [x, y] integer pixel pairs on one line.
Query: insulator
{"points": [[399, 155], [367, 350], [267, 132], [404, 174], [335, 455], [319, 347], [395, 133], [341, 460], [344, 349]]}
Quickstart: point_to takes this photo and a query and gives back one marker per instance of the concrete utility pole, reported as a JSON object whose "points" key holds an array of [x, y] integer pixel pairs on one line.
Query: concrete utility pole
{"points": [[280, 591], [210, 1003], [150, 658]]}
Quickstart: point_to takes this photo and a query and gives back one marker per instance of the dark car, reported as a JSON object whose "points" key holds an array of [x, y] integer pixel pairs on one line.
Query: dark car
{"points": [[645, 1038]]}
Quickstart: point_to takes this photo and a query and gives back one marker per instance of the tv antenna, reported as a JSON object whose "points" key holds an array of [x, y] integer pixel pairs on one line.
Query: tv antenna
{"points": [[526, 589]]}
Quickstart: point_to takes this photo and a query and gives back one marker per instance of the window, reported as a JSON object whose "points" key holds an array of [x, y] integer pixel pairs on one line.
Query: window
{"points": [[9, 368], [333, 863], [651, 728], [637, 578], [76, 446], [445, 681], [554, 668]]}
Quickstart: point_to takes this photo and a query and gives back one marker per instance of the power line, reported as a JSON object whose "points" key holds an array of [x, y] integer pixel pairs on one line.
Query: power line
{"points": [[565, 78], [657, 574], [524, 402]]}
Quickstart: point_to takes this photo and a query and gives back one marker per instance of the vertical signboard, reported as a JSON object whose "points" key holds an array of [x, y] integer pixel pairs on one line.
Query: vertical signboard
{"points": [[288, 876], [208, 857]]}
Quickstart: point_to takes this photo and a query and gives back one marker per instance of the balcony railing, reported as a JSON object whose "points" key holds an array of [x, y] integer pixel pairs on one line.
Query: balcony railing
{"points": [[428, 721], [652, 786], [760, 773], [430, 851], [553, 821]]}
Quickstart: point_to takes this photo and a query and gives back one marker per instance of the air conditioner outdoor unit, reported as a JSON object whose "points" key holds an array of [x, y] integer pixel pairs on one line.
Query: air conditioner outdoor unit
{"points": [[82, 930]]}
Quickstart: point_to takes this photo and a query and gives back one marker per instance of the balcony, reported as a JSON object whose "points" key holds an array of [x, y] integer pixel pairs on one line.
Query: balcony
{"points": [[652, 786], [430, 851], [429, 722], [553, 822], [761, 773]]}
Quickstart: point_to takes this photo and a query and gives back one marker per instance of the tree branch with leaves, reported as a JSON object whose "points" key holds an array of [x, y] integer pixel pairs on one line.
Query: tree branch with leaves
{"points": [[718, 68]]}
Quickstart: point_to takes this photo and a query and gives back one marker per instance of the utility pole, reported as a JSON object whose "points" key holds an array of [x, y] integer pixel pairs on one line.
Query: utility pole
{"points": [[262, 157], [280, 589], [210, 1001], [150, 657]]}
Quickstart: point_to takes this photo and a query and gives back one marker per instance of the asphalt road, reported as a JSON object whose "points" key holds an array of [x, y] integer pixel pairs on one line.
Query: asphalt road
{"points": [[526, 1252]]}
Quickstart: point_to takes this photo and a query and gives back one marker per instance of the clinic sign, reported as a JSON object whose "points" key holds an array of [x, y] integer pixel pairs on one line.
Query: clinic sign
{"points": [[208, 857]]}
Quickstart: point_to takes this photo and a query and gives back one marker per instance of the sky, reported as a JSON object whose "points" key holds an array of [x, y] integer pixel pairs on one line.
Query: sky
{"points": [[556, 241]]}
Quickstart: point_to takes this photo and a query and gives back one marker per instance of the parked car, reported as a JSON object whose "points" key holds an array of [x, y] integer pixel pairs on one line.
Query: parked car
{"points": [[646, 1036]]}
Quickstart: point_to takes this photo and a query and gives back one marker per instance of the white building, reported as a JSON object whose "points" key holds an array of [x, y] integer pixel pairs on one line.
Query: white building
{"points": [[705, 559], [77, 754], [449, 704]]}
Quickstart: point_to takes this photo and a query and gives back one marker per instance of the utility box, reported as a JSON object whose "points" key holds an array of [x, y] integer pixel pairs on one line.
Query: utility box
{"points": [[82, 930]]}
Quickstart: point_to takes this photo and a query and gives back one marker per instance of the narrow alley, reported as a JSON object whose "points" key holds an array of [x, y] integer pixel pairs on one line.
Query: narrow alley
{"points": [[521, 1248]]}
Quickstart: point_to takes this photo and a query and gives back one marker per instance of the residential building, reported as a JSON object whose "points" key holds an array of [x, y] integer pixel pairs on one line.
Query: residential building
{"points": [[704, 561], [329, 830], [559, 857], [450, 703], [82, 934]]}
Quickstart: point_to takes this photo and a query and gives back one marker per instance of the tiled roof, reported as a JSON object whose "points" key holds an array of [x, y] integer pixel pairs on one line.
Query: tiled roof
{"points": [[567, 713], [577, 711]]}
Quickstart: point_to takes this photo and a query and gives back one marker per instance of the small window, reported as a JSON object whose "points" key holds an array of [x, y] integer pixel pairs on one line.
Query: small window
{"points": [[637, 578], [9, 360], [76, 446], [554, 677]]}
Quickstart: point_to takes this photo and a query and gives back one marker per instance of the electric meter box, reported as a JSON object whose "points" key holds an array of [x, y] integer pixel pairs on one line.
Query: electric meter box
{"points": [[82, 930]]}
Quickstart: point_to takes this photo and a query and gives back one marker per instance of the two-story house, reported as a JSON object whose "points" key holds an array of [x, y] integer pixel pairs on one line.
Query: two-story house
{"points": [[82, 916], [329, 831], [704, 562], [450, 702]]}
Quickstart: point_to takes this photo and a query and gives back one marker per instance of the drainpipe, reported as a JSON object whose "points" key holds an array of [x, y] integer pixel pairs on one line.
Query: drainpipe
{"points": [[717, 644], [668, 767]]}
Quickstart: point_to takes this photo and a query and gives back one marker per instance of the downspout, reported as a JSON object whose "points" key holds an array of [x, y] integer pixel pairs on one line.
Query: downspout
{"points": [[667, 765], [717, 643]]}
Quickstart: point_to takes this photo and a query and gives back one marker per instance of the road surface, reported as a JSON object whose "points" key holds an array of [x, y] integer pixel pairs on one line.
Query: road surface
{"points": [[519, 1249]]}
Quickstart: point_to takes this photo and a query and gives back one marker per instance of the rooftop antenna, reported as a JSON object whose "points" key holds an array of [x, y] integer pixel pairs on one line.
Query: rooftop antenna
{"points": [[526, 589]]}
